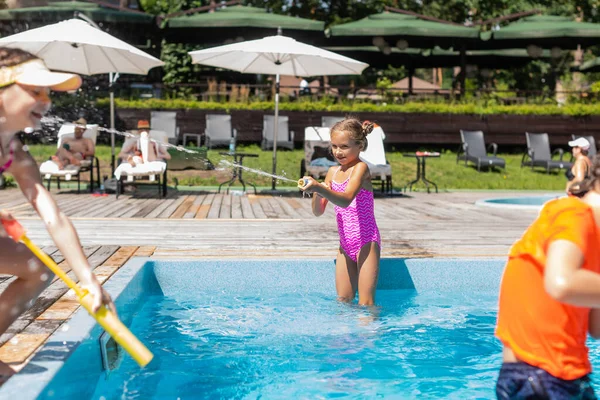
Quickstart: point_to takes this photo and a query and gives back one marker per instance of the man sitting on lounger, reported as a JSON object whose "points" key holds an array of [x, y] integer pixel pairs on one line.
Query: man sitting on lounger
{"points": [[74, 149], [132, 151]]}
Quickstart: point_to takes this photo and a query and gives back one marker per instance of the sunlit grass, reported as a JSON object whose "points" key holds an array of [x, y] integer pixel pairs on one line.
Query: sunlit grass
{"points": [[444, 171]]}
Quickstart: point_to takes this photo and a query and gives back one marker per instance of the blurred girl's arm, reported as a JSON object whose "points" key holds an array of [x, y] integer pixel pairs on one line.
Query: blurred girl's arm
{"points": [[27, 175], [360, 173], [566, 281]]}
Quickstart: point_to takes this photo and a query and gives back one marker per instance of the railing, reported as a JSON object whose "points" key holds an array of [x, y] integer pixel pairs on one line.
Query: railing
{"points": [[265, 92]]}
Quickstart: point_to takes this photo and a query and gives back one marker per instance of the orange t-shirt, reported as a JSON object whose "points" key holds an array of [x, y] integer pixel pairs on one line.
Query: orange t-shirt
{"points": [[540, 330]]}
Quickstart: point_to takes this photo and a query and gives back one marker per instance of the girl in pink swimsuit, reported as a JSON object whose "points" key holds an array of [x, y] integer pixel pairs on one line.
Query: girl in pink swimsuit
{"points": [[348, 187]]}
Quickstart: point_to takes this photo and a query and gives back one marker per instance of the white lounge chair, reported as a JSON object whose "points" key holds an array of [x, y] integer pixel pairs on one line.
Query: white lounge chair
{"points": [[374, 156], [317, 153], [166, 121], [285, 137], [330, 120], [49, 169], [218, 130], [152, 171]]}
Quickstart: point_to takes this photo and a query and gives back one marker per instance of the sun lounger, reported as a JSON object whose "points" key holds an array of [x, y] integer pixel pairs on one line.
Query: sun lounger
{"points": [[50, 170], [153, 171]]}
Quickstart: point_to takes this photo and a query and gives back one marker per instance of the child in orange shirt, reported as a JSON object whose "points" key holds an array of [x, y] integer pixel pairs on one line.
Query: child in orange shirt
{"points": [[550, 300]]}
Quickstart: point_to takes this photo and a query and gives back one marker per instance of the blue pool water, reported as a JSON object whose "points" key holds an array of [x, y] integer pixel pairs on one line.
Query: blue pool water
{"points": [[519, 202], [309, 346], [273, 329]]}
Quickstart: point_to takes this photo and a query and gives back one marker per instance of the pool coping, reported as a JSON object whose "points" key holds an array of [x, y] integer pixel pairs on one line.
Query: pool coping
{"points": [[487, 203], [22, 385]]}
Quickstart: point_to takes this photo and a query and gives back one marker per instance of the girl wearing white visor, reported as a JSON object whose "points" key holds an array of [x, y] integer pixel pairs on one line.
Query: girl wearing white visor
{"points": [[25, 83]]}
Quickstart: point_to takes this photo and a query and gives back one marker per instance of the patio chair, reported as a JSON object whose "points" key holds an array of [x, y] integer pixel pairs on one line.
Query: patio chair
{"points": [[285, 137], [330, 120], [592, 150], [166, 121], [538, 152], [152, 171], [474, 150], [317, 154], [50, 170], [375, 158], [218, 130]]}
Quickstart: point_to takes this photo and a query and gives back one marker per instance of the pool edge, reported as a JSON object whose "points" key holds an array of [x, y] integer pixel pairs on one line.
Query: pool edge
{"points": [[25, 386]]}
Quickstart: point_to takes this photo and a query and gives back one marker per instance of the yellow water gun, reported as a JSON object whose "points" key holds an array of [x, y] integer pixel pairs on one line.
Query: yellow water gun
{"points": [[107, 319]]}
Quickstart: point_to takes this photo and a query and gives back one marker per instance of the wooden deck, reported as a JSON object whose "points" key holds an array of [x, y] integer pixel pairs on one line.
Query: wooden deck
{"points": [[200, 225]]}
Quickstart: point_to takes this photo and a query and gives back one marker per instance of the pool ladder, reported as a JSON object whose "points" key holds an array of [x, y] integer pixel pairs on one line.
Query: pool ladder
{"points": [[110, 352]]}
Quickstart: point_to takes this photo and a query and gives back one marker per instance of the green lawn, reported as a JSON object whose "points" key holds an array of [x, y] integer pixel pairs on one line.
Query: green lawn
{"points": [[444, 171]]}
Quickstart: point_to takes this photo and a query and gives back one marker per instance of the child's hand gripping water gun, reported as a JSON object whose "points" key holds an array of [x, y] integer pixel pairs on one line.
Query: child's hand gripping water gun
{"points": [[107, 319]]}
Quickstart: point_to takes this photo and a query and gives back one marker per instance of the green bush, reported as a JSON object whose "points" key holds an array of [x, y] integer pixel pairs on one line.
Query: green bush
{"points": [[575, 110]]}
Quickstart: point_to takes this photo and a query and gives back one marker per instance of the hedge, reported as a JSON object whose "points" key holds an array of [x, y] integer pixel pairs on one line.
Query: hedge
{"points": [[575, 110]]}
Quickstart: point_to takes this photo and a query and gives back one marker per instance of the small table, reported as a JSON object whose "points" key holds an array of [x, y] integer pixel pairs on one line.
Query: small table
{"points": [[238, 159], [196, 136], [421, 157]]}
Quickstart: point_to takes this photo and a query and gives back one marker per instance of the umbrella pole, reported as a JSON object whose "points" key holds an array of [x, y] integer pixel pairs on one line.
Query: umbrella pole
{"points": [[275, 129], [112, 124]]}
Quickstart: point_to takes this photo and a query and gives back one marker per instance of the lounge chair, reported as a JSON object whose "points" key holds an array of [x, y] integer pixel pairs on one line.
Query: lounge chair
{"points": [[330, 120], [374, 156], [317, 154], [166, 121], [218, 130], [474, 150], [50, 170], [538, 152], [285, 137], [592, 150], [152, 171]]}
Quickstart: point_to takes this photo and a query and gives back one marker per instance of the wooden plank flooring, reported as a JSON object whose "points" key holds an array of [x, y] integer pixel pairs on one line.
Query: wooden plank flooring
{"points": [[208, 225]]}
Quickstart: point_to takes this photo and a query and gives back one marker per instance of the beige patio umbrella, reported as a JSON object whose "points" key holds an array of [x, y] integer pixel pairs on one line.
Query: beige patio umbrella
{"points": [[277, 55], [76, 46]]}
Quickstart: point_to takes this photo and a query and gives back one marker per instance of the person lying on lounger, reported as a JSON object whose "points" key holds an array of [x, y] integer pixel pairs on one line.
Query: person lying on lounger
{"points": [[74, 149], [132, 151]]}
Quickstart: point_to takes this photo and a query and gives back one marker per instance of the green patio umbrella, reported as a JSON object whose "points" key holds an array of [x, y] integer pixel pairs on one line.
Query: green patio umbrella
{"points": [[239, 23], [437, 58], [388, 30], [543, 31], [61, 10], [402, 31]]}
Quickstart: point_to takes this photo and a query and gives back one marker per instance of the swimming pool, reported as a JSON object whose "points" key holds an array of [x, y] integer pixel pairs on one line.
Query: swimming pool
{"points": [[272, 329], [526, 202]]}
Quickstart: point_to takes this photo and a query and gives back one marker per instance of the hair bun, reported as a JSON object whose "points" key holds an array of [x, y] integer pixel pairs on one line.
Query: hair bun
{"points": [[367, 127]]}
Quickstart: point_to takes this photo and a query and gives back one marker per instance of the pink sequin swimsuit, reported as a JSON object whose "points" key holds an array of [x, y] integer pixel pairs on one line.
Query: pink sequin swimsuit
{"points": [[356, 223]]}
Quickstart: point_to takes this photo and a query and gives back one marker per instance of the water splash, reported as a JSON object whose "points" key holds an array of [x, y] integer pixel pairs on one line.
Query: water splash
{"points": [[253, 170]]}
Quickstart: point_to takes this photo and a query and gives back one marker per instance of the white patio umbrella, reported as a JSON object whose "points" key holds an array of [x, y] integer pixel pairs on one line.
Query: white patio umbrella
{"points": [[277, 55], [76, 46]]}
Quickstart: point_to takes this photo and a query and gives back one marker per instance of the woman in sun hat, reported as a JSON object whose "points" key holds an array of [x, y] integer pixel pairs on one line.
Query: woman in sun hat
{"points": [[550, 299], [25, 82], [581, 167]]}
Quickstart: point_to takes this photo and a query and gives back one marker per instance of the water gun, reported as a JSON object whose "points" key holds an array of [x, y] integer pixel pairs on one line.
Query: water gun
{"points": [[107, 319], [302, 182]]}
